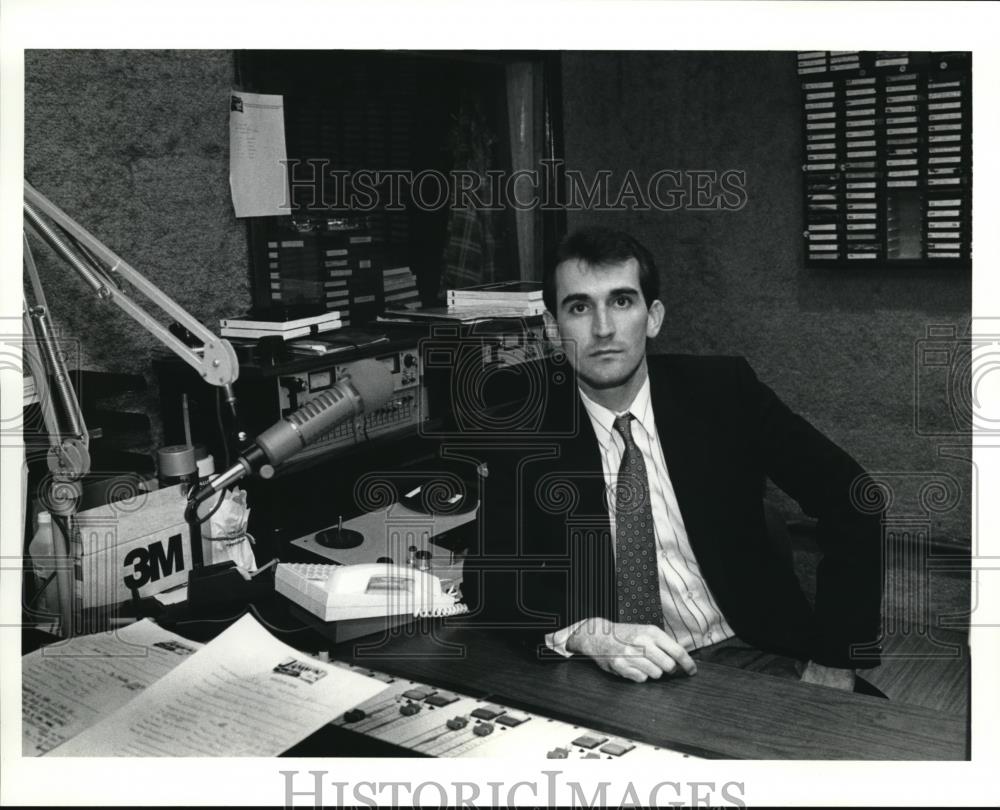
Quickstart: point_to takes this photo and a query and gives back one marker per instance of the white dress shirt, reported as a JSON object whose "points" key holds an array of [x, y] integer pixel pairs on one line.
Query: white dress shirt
{"points": [[690, 613]]}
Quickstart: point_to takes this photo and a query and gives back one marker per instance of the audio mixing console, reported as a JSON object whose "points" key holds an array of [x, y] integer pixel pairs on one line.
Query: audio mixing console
{"points": [[440, 723]]}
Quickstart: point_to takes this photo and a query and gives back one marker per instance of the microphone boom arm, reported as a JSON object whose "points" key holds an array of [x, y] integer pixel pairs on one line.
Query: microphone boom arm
{"points": [[215, 360], [104, 271]]}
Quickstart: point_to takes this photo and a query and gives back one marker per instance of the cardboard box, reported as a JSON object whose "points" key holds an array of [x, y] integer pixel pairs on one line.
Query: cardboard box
{"points": [[140, 543]]}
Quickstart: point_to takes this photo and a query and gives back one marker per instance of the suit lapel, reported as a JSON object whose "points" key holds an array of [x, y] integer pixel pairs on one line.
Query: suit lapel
{"points": [[686, 441], [587, 527], [580, 461]]}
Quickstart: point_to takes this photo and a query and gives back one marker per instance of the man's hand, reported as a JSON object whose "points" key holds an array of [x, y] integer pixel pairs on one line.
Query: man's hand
{"points": [[828, 676], [633, 651]]}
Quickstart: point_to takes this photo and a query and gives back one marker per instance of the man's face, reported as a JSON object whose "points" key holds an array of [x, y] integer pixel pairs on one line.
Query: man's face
{"points": [[603, 322]]}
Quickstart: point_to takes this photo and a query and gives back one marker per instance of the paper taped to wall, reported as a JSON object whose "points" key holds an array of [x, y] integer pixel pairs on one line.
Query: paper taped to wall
{"points": [[258, 178]]}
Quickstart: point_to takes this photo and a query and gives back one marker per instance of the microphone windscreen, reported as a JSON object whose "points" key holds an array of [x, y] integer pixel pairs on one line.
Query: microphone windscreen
{"points": [[373, 382]]}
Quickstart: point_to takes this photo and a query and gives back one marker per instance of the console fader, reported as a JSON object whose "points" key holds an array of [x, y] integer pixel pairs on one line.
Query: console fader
{"points": [[442, 723]]}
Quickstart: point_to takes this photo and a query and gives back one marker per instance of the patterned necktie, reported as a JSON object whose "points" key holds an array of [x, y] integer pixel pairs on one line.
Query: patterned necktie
{"points": [[636, 572]]}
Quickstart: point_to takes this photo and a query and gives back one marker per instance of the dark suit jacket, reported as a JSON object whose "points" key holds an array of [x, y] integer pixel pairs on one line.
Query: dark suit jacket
{"points": [[544, 556]]}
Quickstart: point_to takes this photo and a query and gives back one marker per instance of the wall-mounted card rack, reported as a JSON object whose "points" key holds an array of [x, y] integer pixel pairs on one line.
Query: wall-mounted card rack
{"points": [[887, 163]]}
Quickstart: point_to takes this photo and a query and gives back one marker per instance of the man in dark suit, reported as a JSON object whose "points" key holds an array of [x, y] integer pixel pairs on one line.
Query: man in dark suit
{"points": [[629, 526]]}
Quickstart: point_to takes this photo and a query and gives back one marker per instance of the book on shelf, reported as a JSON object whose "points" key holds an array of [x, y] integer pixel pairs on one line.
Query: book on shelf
{"points": [[396, 296], [427, 314], [279, 319], [399, 288], [504, 309], [398, 277], [498, 291], [288, 334], [469, 314], [391, 272]]}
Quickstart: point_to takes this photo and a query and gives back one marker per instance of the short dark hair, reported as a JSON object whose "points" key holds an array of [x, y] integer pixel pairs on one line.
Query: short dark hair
{"points": [[600, 247]]}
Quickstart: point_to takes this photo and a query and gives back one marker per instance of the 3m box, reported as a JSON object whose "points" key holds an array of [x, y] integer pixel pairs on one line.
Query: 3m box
{"points": [[140, 543]]}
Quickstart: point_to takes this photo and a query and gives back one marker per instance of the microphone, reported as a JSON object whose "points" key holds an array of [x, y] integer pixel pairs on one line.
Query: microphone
{"points": [[367, 386]]}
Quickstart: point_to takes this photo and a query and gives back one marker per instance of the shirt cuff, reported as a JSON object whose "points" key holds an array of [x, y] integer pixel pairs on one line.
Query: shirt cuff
{"points": [[557, 641]]}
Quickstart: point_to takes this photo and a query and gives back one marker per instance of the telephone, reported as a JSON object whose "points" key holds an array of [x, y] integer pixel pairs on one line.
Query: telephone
{"points": [[341, 592]]}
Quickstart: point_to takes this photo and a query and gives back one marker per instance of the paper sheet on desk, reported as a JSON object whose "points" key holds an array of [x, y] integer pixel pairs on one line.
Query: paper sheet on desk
{"points": [[71, 685], [174, 596], [258, 179], [245, 694]]}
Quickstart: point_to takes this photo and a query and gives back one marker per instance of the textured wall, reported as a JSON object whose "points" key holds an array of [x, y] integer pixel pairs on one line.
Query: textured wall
{"points": [[837, 347], [135, 146]]}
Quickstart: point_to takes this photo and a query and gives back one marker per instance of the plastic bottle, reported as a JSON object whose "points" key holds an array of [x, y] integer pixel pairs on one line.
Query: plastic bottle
{"points": [[42, 551]]}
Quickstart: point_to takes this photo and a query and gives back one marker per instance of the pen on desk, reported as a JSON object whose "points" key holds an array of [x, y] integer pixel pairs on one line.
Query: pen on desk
{"points": [[274, 561]]}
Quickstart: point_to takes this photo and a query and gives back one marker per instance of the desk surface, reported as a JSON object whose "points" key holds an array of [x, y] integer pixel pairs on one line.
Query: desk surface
{"points": [[720, 712]]}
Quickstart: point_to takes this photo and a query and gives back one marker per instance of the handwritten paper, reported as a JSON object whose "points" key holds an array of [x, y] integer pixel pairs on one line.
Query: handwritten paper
{"points": [[71, 685], [245, 694], [258, 179]]}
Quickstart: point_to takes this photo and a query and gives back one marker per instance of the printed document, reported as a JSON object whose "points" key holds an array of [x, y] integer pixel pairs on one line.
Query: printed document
{"points": [[258, 178], [244, 694], [69, 686]]}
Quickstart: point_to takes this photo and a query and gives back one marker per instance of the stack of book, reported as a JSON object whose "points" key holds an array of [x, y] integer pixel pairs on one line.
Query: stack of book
{"points": [[508, 298], [400, 288], [282, 323]]}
